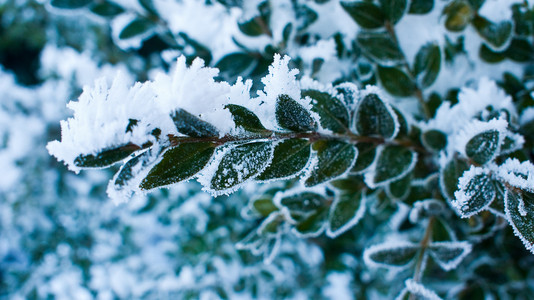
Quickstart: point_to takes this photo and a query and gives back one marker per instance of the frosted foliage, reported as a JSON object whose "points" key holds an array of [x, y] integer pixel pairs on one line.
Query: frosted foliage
{"points": [[475, 192], [95, 126], [449, 254], [517, 174], [471, 102], [391, 254], [519, 208], [475, 127], [415, 288]]}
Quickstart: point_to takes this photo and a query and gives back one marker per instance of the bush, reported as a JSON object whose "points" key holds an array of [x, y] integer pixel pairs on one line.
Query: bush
{"points": [[374, 149]]}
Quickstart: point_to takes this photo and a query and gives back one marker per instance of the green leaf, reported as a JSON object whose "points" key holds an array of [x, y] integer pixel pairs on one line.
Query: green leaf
{"points": [[476, 192], [178, 164], [136, 27], [264, 206], [394, 9], [403, 123], [70, 4], [332, 112], [483, 147], [458, 15], [313, 225], [366, 14], [236, 64], [449, 176], [448, 255], [245, 118], [380, 48], [334, 158], [397, 254], [490, 56], [126, 172], [393, 162], [427, 64], [421, 7], [520, 50], [240, 164], [374, 117], [304, 205], [271, 225], [400, 189], [190, 125], [519, 212], [289, 158], [434, 140], [476, 4], [106, 9], [106, 157], [496, 35], [251, 27], [396, 81], [366, 157], [293, 116], [148, 5], [345, 213]]}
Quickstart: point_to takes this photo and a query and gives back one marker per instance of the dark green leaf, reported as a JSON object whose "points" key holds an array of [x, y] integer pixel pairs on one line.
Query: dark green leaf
{"points": [[476, 193], [334, 158], [332, 112], [449, 176], [236, 64], [374, 117], [490, 56], [458, 15], [136, 27], [293, 116], [366, 14], [403, 123], [434, 140], [448, 255], [520, 50], [421, 7], [286, 33], [271, 224], [148, 5], [106, 157], [126, 172], [396, 81], [400, 189], [349, 184], [380, 47], [106, 9], [519, 212], [178, 164], [394, 9], [366, 156], [496, 35], [427, 64], [303, 203], [252, 27], [313, 225], [391, 255], [245, 118], [240, 164], [70, 4], [393, 162], [290, 157], [476, 4], [523, 20], [483, 147], [190, 125], [346, 211]]}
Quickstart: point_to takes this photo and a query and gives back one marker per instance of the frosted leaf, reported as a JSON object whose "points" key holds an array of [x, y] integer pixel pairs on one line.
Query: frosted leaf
{"points": [[426, 208], [394, 254], [517, 174], [373, 116], [345, 213], [519, 208], [415, 288], [334, 159], [448, 255], [393, 162], [450, 172], [101, 120], [238, 165], [481, 141], [290, 157], [475, 192], [512, 142]]}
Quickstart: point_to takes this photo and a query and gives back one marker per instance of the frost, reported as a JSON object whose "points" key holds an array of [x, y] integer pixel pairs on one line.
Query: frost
{"points": [[392, 254], [95, 126], [419, 290], [517, 174]]}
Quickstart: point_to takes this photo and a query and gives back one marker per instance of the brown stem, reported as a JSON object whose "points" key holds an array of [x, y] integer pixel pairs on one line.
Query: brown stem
{"points": [[424, 245]]}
